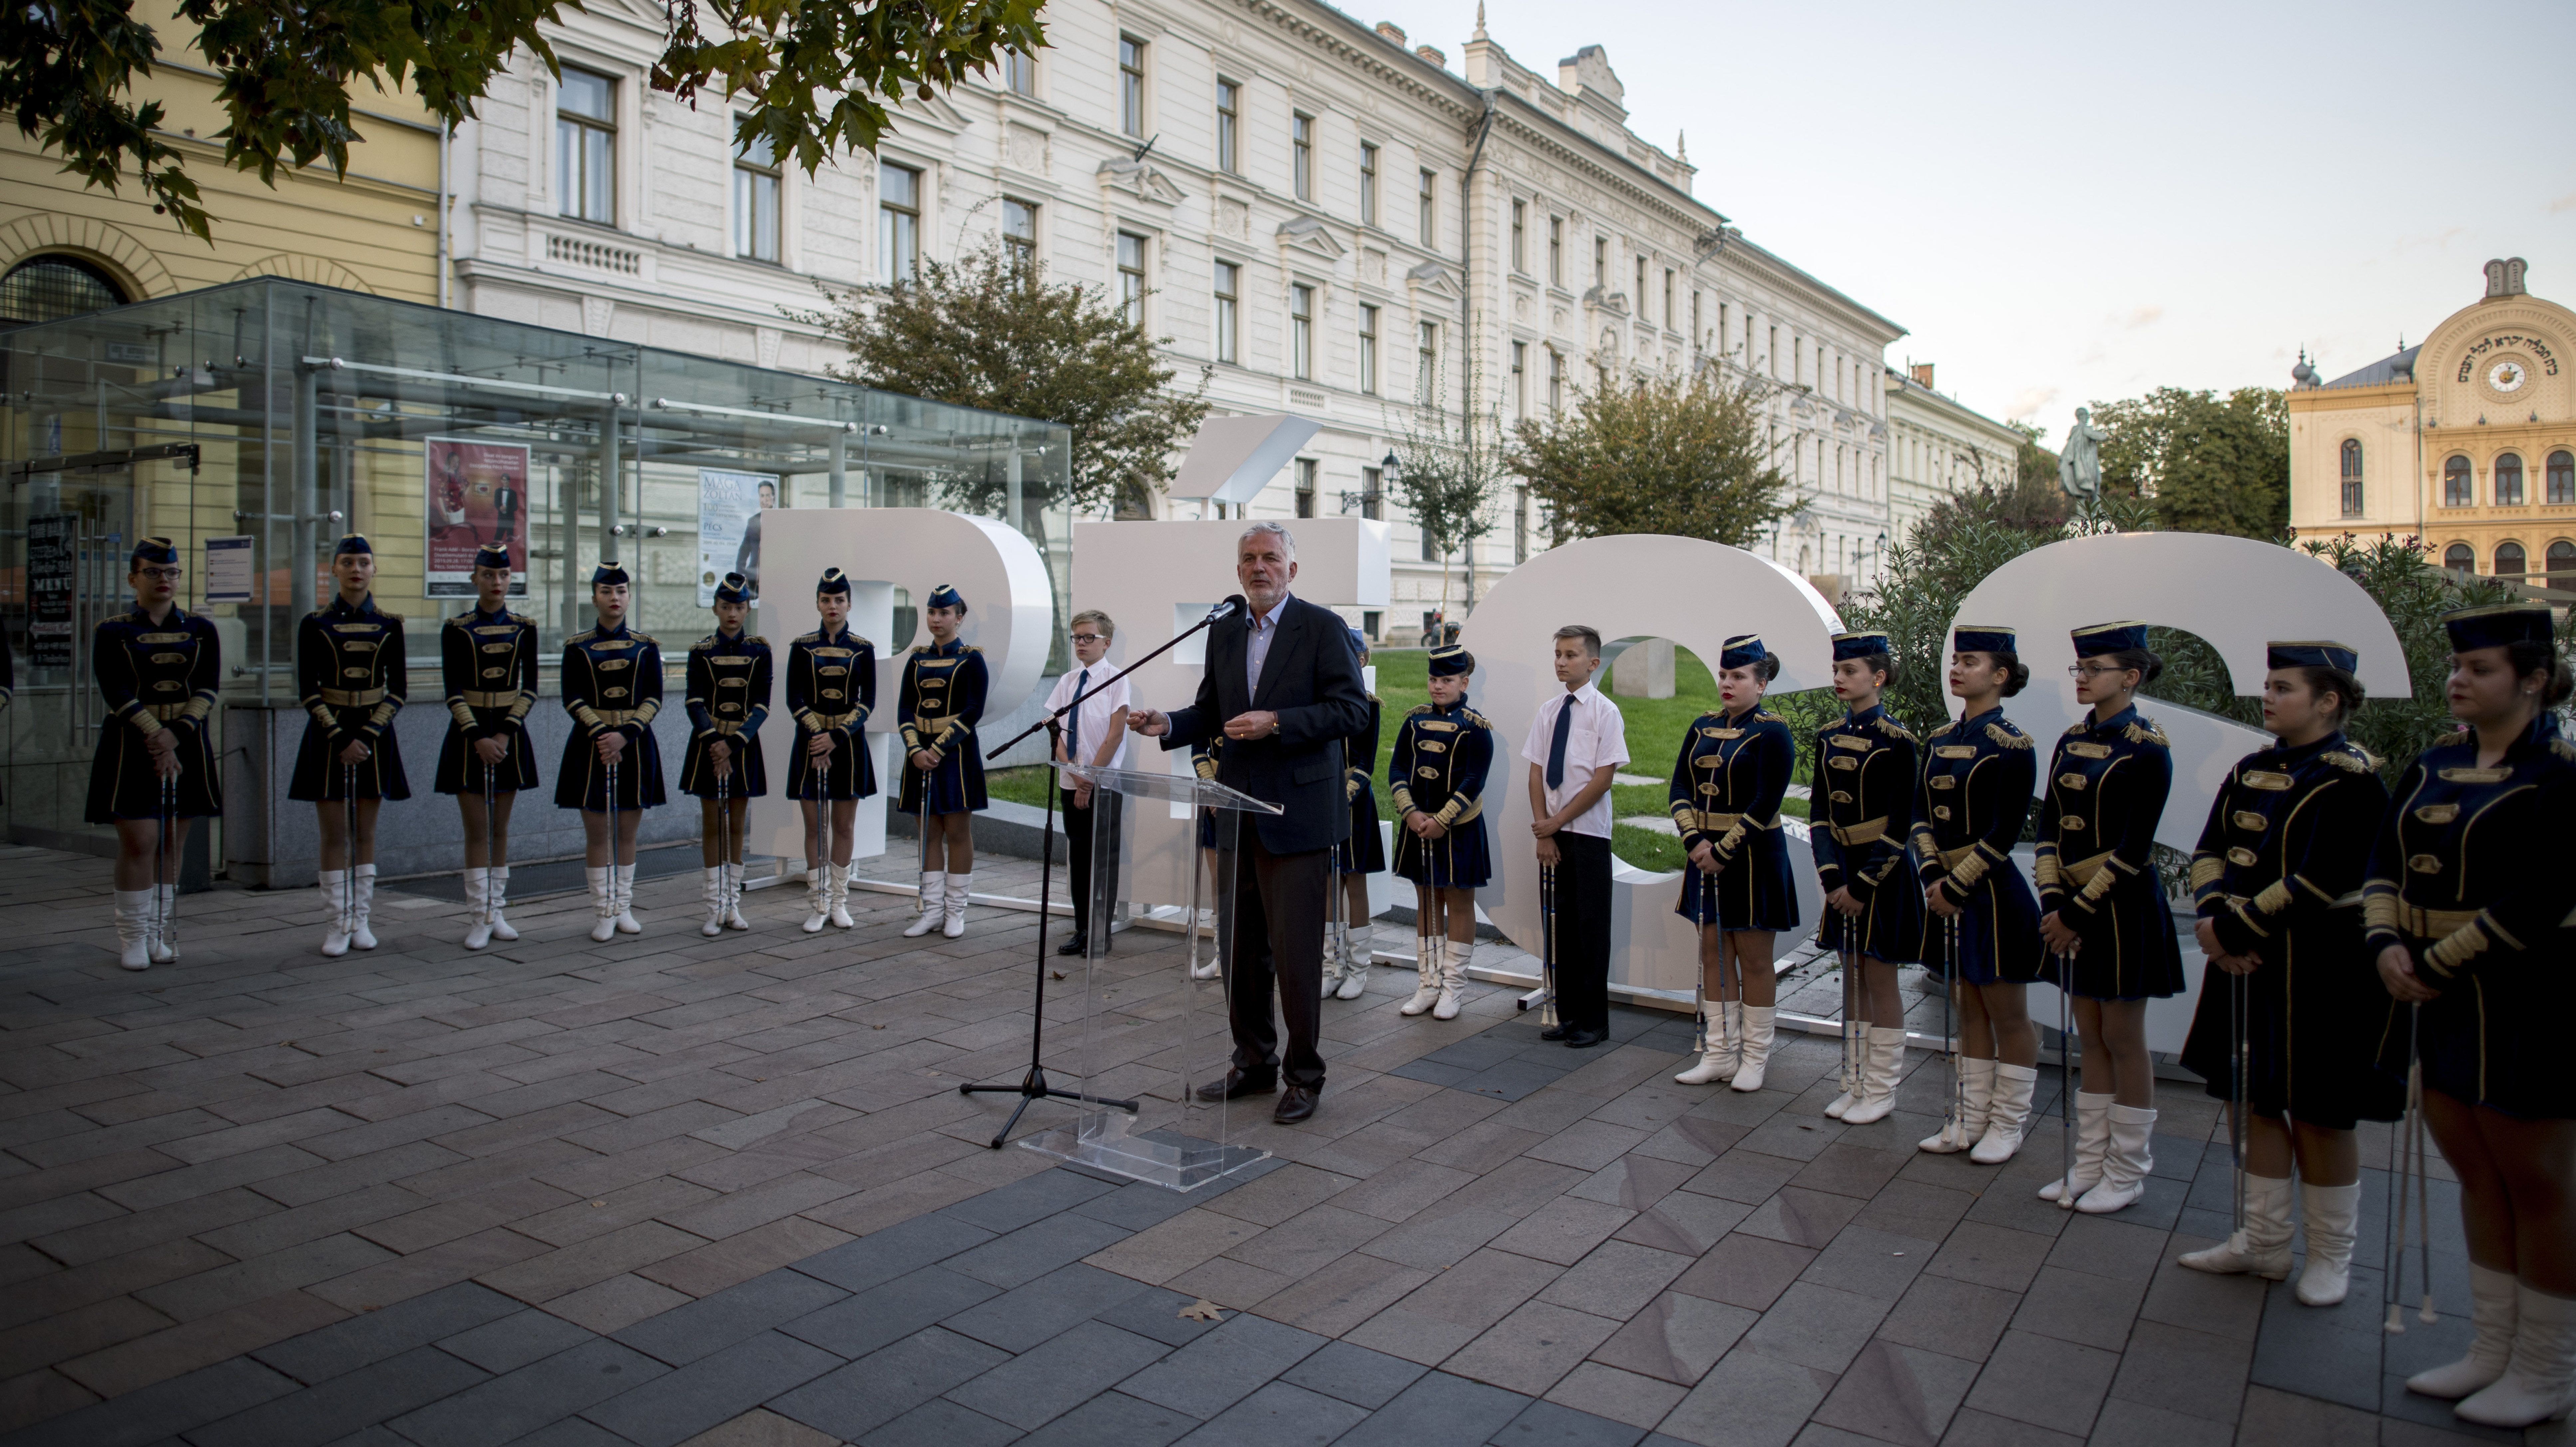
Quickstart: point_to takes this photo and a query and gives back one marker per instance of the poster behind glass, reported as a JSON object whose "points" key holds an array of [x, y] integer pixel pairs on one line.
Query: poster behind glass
{"points": [[477, 494], [729, 509]]}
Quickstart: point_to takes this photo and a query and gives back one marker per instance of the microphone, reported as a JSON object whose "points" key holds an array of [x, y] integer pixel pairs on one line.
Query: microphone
{"points": [[1233, 605]]}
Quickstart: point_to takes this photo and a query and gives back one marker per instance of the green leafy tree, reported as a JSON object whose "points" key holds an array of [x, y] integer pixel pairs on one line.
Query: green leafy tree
{"points": [[1686, 455], [2212, 464], [989, 330], [1450, 472], [816, 77]]}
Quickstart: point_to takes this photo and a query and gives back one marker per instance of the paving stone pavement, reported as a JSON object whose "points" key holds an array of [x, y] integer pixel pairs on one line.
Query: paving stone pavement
{"points": [[671, 1190]]}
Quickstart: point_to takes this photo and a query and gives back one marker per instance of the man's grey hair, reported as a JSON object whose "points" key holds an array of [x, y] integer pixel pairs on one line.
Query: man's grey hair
{"points": [[1287, 539]]}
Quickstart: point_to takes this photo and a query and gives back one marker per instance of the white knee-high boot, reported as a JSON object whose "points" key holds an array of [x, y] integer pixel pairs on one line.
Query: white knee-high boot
{"points": [[500, 884], [1722, 1049], [1453, 975], [2125, 1165], [1880, 1070], [624, 877], [1755, 1062], [2008, 1117], [733, 897], [478, 906], [954, 902], [2262, 1247], [934, 908], [1426, 975], [2494, 1311], [134, 928], [363, 880], [1355, 966], [2331, 1213], [712, 894], [164, 914], [1976, 1100], [335, 898], [840, 913], [818, 897], [2092, 1139], [603, 901], [2539, 1383]]}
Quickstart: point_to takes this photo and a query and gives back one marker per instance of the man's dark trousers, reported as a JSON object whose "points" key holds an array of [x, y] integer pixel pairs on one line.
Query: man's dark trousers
{"points": [[1277, 944], [1078, 823], [1583, 932]]}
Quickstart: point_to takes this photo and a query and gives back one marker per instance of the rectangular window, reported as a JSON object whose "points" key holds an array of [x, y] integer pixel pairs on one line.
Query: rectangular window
{"points": [[1368, 349], [1430, 554], [1770, 350], [1797, 360], [1368, 184], [1131, 276], [1229, 124], [586, 146], [1229, 304], [1520, 379], [1020, 72], [1556, 251], [1555, 380], [1520, 237], [898, 224], [1520, 525], [1430, 201], [1301, 332], [1426, 362], [1301, 154], [1372, 492], [1601, 261], [755, 201], [1641, 289], [1131, 86], [1020, 230], [1306, 469], [1668, 303]]}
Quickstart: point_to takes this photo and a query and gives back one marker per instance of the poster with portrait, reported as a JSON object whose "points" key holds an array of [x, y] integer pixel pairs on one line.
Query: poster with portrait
{"points": [[477, 493], [729, 509]]}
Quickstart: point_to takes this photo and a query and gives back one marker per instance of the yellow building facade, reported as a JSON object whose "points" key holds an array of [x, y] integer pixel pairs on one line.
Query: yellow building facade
{"points": [[2467, 441], [63, 244]]}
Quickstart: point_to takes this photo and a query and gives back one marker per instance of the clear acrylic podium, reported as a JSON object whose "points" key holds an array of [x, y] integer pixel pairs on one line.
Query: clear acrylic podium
{"points": [[1154, 1029]]}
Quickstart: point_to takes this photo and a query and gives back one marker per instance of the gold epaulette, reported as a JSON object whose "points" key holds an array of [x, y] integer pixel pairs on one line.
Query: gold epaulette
{"points": [[1473, 717], [2145, 732], [582, 637], [2354, 759], [1419, 708], [1943, 732], [1895, 730], [817, 636], [2563, 749], [707, 642], [2011, 738]]}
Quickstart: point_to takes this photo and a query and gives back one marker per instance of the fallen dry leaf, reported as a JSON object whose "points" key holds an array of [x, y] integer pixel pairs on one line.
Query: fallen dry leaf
{"points": [[1202, 1310]]}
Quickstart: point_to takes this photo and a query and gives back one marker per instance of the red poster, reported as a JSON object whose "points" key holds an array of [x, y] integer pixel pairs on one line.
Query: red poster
{"points": [[477, 494]]}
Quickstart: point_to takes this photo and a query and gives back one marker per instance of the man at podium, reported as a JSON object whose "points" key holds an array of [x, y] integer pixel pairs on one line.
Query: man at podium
{"points": [[1282, 688]]}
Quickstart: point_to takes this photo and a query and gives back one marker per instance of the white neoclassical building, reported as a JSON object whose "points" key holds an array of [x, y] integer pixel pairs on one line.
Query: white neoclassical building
{"points": [[1937, 447], [1326, 218]]}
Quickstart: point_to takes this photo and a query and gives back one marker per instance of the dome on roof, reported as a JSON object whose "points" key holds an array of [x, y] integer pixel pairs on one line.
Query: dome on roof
{"points": [[2305, 373]]}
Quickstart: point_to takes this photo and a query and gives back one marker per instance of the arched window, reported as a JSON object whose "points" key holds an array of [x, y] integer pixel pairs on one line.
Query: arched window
{"points": [[2562, 565], [2456, 488], [2352, 477], [2562, 477], [2459, 558], [2509, 562], [49, 288], [2508, 480]]}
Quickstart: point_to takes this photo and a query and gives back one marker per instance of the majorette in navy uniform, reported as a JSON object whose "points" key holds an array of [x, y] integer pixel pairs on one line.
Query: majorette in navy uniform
{"points": [[1729, 777], [487, 658], [2276, 880], [350, 675], [2107, 784], [612, 684], [937, 706], [1359, 856], [159, 680], [2465, 912], [1974, 794], [728, 683], [1436, 773], [1858, 817], [831, 691]]}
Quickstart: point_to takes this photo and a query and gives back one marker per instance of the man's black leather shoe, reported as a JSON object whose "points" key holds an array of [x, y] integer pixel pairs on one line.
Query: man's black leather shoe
{"points": [[1582, 1039], [1236, 1086], [1073, 946], [1295, 1105], [1554, 1032]]}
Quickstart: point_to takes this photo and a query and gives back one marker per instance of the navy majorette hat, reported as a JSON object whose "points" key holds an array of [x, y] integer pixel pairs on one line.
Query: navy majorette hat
{"points": [[1359, 642], [1981, 638], [734, 589], [944, 596], [1451, 661], [492, 555], [836, 581], [1742, 651], [1859, 645], [159, 551], [609, 575], [2497, 625], [354, 543], [2320, 654], [2102, 638]]}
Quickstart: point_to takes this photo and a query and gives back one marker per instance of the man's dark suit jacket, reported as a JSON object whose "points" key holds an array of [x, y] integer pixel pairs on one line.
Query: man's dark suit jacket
{"points": [[1312, 681]]}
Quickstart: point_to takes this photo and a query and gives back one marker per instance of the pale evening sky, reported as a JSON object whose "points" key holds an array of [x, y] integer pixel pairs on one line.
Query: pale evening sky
{"points": [[2065, 203]]}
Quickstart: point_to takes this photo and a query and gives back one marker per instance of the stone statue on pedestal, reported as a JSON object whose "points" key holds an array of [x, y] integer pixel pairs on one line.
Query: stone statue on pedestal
{"points": [[2079, 462]]}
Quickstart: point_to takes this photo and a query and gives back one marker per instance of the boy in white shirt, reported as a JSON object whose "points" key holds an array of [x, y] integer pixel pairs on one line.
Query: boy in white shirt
{"points": [[1575, 745], [1095, 733]]}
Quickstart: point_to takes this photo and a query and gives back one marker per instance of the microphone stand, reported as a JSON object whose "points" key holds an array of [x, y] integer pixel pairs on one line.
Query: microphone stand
{"points": [[1033, 1085]]}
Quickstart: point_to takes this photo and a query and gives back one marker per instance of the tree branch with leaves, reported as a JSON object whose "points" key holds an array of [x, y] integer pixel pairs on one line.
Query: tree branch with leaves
{"points": [[1450, 471], [1689, 455]]}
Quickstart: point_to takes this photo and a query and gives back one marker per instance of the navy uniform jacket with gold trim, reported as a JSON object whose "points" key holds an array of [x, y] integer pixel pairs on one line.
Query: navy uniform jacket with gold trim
{"points": [[1863, 807], [2476, 862], [942, 697], [612, 682], [154, 676], [832, 684], [1976, 790], [488, 662], [2107, 786], [2288, 838], [1441, 758], [728, 682], [1730, 779], [351, 674]]}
